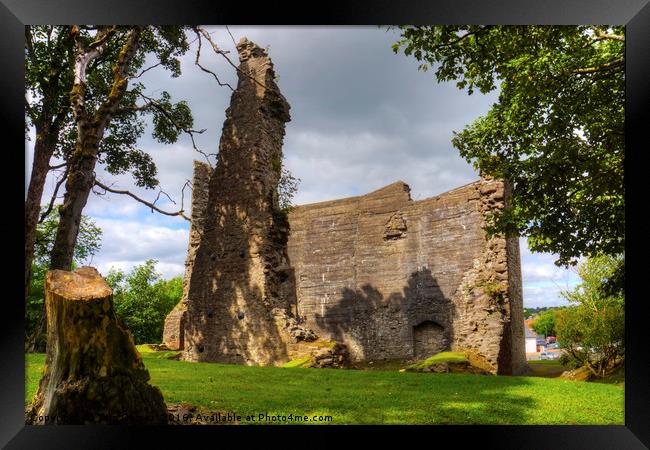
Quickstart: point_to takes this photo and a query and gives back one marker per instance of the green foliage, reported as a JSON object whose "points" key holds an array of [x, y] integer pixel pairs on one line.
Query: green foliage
{"points": [[142, 299], [88, 240], [287, 188], [593, 331], [531, 312], [48, 57], [170, 119], [88, 244], [556, 132], [49, 61], [153, 353], [544, 323]]}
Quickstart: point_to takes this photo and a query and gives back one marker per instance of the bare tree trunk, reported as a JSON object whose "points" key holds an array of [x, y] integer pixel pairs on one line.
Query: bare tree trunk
{"points": [[93, 372]]}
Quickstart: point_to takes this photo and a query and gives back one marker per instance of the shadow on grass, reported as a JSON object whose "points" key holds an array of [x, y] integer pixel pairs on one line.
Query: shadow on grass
{"points": [[378, 397], [351, 396]]}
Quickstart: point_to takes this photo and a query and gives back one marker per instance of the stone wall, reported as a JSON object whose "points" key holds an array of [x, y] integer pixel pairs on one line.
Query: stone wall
{"points": [[174, 329], [394, 278], [372, 277], [238, 301]]}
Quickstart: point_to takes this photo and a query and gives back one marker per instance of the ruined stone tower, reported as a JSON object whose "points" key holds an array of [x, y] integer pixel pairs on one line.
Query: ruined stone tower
{"points": [[382, 275], [236, 292]]}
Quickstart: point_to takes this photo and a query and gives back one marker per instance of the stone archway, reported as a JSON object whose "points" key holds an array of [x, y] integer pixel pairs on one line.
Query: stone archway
{"points": [[428, 339]]}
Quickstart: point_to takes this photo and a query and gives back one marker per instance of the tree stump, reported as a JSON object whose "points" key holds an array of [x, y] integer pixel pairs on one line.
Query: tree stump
{"points": [[93, 372]]}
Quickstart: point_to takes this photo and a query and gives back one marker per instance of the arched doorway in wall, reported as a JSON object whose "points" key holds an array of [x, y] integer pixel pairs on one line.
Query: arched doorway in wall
{"points": [[428, 339]]}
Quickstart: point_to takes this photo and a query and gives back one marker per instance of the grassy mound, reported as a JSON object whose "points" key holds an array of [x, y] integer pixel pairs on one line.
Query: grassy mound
{"points": [[454, 362], [150, 352], [442, 357]]}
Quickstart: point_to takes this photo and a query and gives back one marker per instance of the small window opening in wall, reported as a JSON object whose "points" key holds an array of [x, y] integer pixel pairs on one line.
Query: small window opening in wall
{"points": [[200, 349], [240, 315]]}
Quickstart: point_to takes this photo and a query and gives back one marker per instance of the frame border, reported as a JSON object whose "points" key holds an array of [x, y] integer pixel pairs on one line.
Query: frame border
{"points": [[635, 14]]}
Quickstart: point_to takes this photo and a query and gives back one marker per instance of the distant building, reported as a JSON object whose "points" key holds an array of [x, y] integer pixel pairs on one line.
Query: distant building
{"points": [[531, 340]]}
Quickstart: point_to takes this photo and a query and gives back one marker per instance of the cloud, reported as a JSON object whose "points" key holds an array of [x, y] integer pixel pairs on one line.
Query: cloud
{"points": [[126, 244], [361, 117]]}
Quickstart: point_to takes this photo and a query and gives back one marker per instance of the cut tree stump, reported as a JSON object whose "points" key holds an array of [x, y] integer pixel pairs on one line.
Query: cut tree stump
{"points": [[93, 372]]}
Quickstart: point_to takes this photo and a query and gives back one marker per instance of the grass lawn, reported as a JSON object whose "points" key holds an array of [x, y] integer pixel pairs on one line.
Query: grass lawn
{"points": [[374, 396]]}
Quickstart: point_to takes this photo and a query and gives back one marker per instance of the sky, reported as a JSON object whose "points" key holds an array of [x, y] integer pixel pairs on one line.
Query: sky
{"points": [[362, 117]]}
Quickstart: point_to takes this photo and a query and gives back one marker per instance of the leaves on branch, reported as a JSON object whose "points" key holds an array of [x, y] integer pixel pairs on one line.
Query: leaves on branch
{"points": [[556, 132]]}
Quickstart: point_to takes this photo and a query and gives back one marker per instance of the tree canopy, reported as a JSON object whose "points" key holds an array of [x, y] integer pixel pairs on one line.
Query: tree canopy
{"points": [[592, 332], [52, 49], [143, 299], [544, 324], [556, 132]]}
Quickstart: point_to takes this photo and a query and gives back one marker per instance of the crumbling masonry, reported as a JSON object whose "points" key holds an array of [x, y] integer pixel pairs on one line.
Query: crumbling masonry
{"points": [[380, 275]]}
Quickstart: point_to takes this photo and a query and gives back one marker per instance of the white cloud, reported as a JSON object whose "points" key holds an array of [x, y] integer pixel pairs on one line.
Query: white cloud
{"points": [[542, 271], [126, 244]]}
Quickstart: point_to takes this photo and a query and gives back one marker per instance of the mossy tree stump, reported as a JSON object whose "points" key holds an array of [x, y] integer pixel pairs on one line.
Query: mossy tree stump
{"points": [[93, 373]]}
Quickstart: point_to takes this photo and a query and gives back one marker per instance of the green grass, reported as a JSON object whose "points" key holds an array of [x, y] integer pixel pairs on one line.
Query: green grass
{"points": [[448, 357], [148, 353], [376, 397]]}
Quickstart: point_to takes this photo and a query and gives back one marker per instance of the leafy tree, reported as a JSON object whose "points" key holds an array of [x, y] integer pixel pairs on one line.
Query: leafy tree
{"points": [[107, 58], [593, 331], [88, 244], [48, 57], [65, 60], [556, 132], [142, 299], [544, 323]]}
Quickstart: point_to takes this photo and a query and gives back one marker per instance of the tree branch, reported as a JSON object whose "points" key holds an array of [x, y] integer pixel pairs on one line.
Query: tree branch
{"points": [[602, 68], [29, 41], [58, 166], [120, 79], [196, 61], [218, 51], [602, 36], [146, 70], [56, 191], [190, 132], [82, 58], [460, 38], [144, 202], [231, 36]]}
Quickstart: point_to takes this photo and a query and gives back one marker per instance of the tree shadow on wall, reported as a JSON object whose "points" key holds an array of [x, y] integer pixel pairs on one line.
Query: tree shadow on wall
{"points": [[415, 323]]}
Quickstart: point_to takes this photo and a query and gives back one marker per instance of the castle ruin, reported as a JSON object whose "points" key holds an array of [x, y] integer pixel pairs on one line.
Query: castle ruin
{"points": [[380, 275]]}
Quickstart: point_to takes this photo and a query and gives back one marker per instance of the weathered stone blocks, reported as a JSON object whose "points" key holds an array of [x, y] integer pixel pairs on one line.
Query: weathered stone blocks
{"points": [[380, 275]]}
